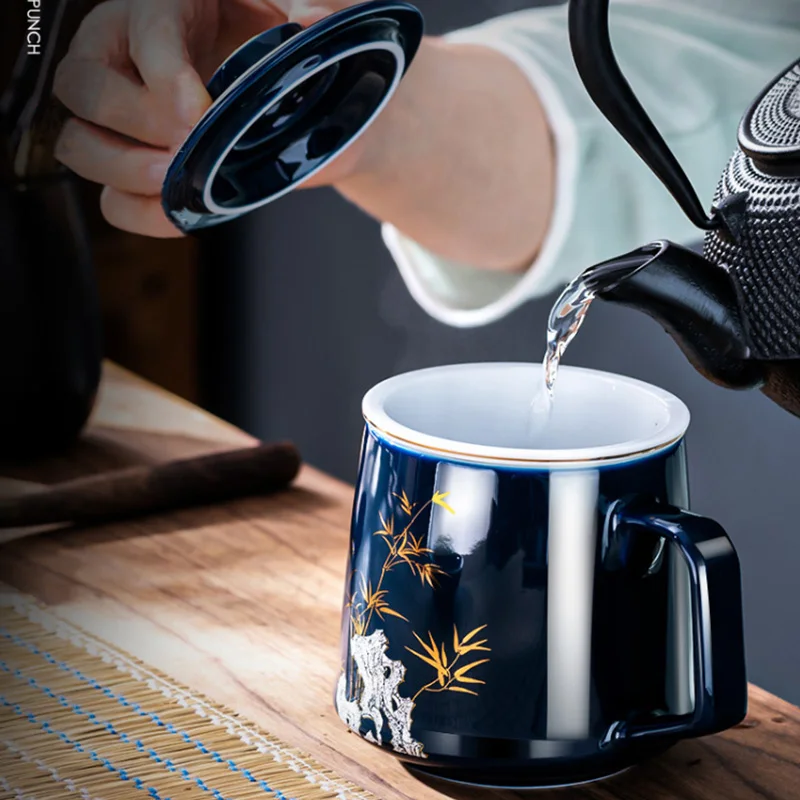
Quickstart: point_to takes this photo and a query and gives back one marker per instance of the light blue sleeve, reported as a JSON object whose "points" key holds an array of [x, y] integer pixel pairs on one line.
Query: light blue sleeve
{"points": [[694, 69]]}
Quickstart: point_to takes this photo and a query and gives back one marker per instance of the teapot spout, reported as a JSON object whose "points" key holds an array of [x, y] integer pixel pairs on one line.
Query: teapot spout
{"points": [[693, 299]]}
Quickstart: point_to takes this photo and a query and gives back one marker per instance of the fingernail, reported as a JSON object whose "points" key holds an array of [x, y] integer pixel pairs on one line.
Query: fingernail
{"points": [[307, 14], [58, 149], [313, 14], [191, 99], [61, 148]]}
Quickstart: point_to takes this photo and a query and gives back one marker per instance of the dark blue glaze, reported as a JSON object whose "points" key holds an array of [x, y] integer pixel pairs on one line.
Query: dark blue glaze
{"points": [[501, 736], [328, 95]]}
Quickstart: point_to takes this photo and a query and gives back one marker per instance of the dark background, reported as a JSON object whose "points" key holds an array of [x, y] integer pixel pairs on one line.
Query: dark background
{"points": [[303, 311]]}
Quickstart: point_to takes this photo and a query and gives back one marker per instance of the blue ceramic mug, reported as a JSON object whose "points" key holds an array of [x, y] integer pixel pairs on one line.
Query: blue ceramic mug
{"points": [[529, 612]]}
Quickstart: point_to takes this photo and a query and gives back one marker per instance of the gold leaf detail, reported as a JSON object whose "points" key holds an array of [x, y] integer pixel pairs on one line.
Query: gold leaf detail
{"points": [[428, 572], [462, 671], [387, 532], [438, 499], [434, 649], [391, 613], [475, 646], [432, 652], [405, 503], [471, 634], [423, 658]]}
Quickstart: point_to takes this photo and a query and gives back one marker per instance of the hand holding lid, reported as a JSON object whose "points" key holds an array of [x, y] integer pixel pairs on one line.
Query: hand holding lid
{"points": [[285, 104]]}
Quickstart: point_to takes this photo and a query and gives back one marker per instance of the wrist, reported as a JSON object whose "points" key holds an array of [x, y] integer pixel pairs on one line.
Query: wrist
{"points": [[465, 170], [384, 142]]}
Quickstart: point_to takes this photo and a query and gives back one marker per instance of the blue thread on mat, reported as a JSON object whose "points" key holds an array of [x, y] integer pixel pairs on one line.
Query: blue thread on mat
{"points": [[94, 756], [110, 728], [62, 665]]}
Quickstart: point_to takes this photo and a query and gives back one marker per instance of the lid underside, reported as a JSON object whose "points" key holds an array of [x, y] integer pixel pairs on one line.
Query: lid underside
{"points": [[289, 101]]}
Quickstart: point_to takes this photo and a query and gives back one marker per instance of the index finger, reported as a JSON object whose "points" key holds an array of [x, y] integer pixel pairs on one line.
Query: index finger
{"points": [[98, 93], [158, 33], [97, 82]]}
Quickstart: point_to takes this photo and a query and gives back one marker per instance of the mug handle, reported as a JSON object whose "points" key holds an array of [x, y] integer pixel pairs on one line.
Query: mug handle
{"points": [[715, 585]]}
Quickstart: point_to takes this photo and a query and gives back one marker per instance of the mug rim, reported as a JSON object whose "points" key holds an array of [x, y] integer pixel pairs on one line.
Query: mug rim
{"points": [[400, 435]]}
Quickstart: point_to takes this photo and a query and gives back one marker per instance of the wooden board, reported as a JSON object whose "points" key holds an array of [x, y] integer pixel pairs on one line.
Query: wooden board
{"points": [[242, 602], [148, 300]]}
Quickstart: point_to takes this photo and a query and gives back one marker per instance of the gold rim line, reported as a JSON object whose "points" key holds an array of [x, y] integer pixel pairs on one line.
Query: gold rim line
{"points": [[507, 460]]}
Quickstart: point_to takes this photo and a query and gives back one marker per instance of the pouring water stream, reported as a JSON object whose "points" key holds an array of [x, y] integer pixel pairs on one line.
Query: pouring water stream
{"points": [[566, 317]]}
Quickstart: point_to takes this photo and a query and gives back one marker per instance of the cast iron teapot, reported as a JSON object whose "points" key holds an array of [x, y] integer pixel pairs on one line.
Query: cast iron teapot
{"points": [[735, 310]]}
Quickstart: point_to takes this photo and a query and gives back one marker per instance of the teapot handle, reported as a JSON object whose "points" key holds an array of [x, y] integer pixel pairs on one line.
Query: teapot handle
{"points": [[612, 94]]}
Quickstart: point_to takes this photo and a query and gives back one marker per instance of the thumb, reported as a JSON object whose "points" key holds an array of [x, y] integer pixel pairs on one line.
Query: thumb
{"points": [[304, 12], [310, 14]]}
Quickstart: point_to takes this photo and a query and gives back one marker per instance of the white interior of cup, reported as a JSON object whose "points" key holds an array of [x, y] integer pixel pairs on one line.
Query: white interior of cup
{"points": [[483, 412]]}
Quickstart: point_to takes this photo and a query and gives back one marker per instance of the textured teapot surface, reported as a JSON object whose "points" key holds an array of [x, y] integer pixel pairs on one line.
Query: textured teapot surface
{"points": [[735, 312], [762, 255]]}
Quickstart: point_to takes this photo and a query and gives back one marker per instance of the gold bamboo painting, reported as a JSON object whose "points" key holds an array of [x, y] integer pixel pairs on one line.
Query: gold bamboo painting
{"points": [[371, 677]]}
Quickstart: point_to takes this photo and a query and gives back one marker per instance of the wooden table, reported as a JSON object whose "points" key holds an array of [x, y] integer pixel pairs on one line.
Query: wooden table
{"points": [[243, 603]]}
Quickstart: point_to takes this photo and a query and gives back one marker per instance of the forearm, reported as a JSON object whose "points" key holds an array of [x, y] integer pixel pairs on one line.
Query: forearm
{"points": [[461, 160]]}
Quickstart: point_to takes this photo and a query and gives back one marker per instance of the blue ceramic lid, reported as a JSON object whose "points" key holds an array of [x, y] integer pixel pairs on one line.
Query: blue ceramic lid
{"points": [[285, 104]]}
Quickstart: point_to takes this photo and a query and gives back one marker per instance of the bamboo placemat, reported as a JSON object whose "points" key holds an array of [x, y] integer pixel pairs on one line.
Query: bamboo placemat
{"points": [[81, 718]]}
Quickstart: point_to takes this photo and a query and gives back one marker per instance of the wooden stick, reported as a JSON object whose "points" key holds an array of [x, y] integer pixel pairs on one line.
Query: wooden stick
{"points": [[141, 490]]}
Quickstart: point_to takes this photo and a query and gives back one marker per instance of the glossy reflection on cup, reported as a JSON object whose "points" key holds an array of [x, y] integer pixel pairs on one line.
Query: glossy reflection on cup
{"points": [[533, 612]]}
